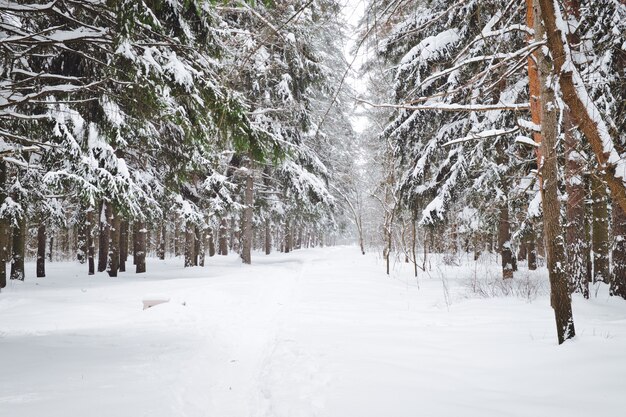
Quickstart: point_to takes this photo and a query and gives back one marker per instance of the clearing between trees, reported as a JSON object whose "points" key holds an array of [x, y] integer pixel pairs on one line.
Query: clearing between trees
{"points": [[315, 332]]}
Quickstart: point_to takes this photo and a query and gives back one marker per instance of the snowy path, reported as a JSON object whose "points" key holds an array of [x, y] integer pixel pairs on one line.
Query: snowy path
{"points": [[318, 332]]}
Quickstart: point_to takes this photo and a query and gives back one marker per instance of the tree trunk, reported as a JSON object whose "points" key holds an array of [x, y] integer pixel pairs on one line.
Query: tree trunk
{"points": [[141, 247], [103, 249], [618, 277], [211, 243], [504, 242], [91, 249], [5, 227], [268, 237], [555, 246], [287, 237], [41, 251], [123, 244], [203, 244], [246, 250], [19, 245], [196, 245], [81, 244], [600, 231], [113, 263], [575, 211], [189, 245], [162, 240], [531, 249], [584, 112], [223, 237]]}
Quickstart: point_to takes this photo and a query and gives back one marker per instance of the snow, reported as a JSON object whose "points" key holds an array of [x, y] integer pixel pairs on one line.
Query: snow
{"points": [[317, 332]]}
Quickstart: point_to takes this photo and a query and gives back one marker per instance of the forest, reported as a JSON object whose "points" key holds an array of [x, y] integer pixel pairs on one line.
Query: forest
{"points": [[427, 135]]}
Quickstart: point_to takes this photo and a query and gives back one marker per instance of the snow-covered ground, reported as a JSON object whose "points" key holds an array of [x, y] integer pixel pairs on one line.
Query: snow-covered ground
{"points": [[318, 332]]}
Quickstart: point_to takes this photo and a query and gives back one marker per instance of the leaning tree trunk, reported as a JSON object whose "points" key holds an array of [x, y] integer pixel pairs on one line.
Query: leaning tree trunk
{"points": [[140, 246], [555, 245], [246, 250], [600, 231], [41, 251], [584, 112], [103, 248], [113, 263], [504, 242], [618, 277]]}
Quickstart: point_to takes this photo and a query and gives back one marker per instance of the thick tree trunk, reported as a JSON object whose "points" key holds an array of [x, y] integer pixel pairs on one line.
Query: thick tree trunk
{"points": [[584, 112], [19, 246], [504, 242], [91, 249], [103, 248], [41, 251], [141, 247], [618, 277], [113, 263], [223, 237], [555, 245], [123, 244], [246, 250], [600, 231]]}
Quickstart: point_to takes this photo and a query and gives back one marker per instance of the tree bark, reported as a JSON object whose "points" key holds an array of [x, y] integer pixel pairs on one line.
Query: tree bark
{"points": [[287, 237], [211, 243], [141, 247], [223, 236], [162, 240], [196, 245], [189, 245], [600, 231], [5, 227], [19, 246], [268, 237], [618, 277], [555, 247], [105, 230], [123, 244], [583, 111], [246, 250], [575, 211], [41, 251], [91, 249], [504, 242], [113, 219]]}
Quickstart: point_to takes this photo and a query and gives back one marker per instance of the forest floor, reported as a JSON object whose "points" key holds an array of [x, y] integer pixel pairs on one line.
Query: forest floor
{"points": [[316, 332]]}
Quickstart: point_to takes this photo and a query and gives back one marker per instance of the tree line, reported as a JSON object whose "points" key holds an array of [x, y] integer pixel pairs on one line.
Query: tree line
{"points": [[501, 125], [191, 127]]}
